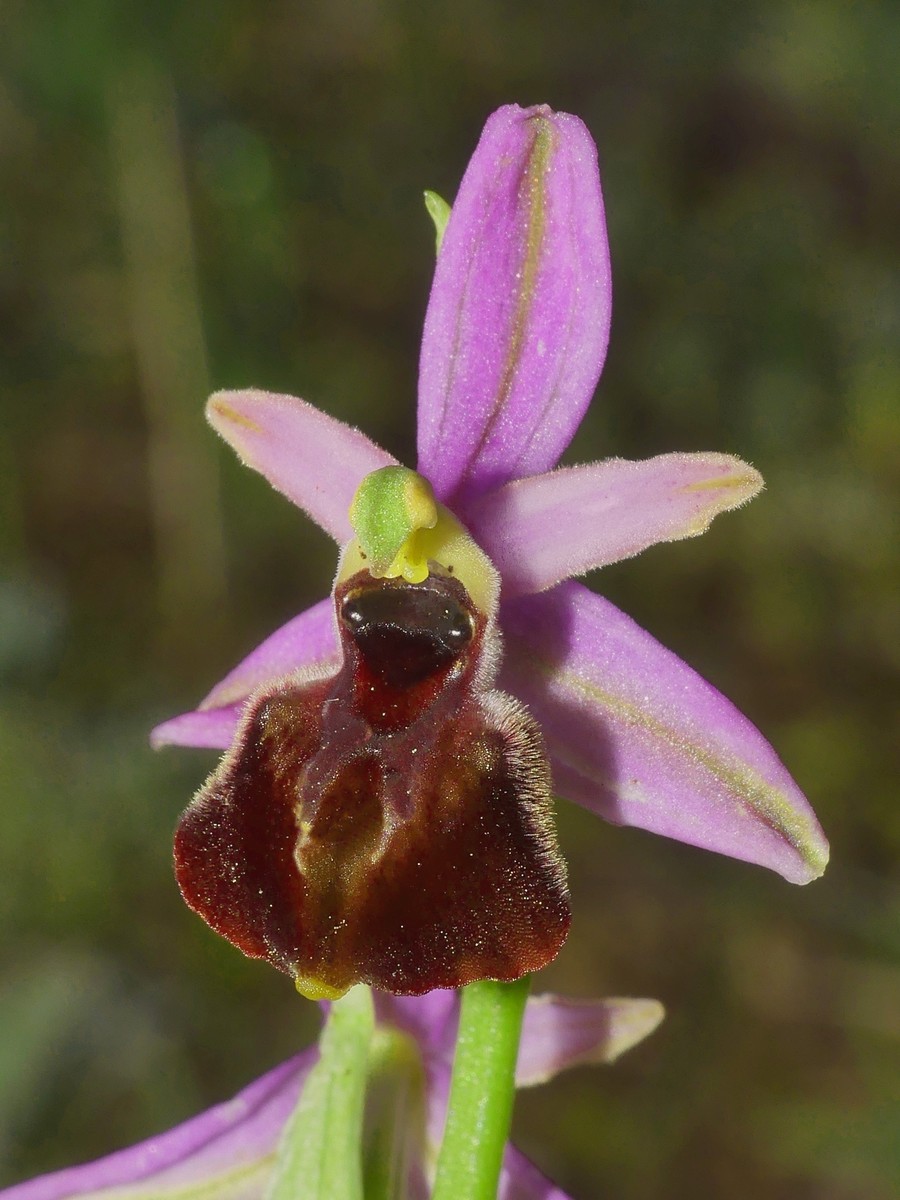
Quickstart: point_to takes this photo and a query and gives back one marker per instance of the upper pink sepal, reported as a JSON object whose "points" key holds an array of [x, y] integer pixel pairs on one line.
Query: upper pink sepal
{"points": [[637, 736], [542, 530], [518, 319], [315, 460]]}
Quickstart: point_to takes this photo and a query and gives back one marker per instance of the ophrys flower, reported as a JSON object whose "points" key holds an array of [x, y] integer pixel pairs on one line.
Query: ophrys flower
{"points": [[514, 341]]}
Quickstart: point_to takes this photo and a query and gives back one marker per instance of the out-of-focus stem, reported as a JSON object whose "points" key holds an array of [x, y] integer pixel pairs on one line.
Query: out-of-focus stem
{"points": [[395, 1115], [169, 345], [320, 1154]]}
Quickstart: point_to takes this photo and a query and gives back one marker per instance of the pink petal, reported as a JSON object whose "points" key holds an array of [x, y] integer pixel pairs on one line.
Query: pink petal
{"points": [[518, 319], [521, 1180], [558, 1033], [542, 530], [308, 641], [431, 1019], [226, 1152], [208, 729], [638, 737], [315, 460]]}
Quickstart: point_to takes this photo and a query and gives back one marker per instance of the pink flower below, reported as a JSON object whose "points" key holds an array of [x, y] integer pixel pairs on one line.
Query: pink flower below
{"points": [[228, 1152]]}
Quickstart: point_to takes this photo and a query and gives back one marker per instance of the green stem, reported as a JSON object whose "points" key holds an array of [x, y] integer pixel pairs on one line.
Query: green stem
{"points": [[395, 1115], [319, 1157], [481, 1091]]}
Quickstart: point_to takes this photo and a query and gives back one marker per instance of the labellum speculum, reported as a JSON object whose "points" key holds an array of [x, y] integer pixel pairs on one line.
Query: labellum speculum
{"points": [[390, 823]]}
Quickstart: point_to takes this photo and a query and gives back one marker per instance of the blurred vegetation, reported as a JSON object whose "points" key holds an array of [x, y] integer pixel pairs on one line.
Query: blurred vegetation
{"points": [[227, 194]]}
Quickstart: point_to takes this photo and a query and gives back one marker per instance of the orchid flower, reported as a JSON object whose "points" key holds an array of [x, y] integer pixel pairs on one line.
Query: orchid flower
{"points": [[229, 1152], [311, 821], [514, 341]]}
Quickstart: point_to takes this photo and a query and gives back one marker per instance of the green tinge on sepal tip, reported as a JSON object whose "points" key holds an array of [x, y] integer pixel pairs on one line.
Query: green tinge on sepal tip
{"points": [[439, 211]]}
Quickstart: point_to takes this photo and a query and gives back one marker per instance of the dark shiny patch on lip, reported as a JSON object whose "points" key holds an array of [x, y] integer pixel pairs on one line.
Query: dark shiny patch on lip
{"points": [[409, 631]]}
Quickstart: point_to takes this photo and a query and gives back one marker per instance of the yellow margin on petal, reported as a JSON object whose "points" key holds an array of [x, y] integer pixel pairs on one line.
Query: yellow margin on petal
{"points": [[742, 488], [751, 483], [537, 167], [227, 413], [203, 1189], [763, 800]]}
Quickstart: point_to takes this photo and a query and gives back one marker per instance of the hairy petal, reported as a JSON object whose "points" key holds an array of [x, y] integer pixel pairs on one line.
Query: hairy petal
{"points": [[518, 320], [558, 1033], [207, 729], [542, 530], [225, 1153], [638, 737], [315, 460], [307, 642]]}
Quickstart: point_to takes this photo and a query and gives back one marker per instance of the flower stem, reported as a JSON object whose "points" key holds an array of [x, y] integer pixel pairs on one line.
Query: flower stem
{"points": [[479, 1111], [395, 1116], [319, 1156]]}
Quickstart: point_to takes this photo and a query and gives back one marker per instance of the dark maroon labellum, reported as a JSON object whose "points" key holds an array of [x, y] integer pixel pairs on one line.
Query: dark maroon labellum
{"points": [[390, 824]]}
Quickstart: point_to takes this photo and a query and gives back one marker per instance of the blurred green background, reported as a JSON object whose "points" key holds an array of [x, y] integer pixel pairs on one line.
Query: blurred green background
{"points": [[225, 194]]}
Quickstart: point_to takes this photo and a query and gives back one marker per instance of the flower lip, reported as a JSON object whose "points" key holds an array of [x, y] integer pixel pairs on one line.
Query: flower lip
{"points": [[390, 823]]}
